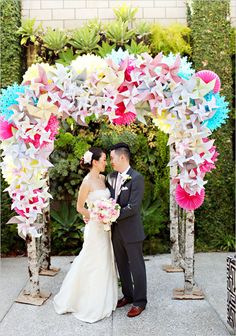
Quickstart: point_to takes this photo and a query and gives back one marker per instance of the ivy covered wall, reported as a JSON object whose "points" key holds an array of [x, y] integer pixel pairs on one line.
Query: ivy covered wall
{"points": [[11, 54], [211, 49]]}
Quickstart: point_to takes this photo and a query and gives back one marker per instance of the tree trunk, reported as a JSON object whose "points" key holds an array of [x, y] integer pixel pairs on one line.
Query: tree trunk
{"points": [[189, 253], [33, 266], [182, 231], [174, 239], [30, 54], [45, 241]]}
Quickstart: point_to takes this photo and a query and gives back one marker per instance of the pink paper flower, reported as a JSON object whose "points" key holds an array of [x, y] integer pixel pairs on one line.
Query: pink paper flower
{"points": [[187, 201], [52, 126], [34, 141], [128, 71], [207, 166], [207, 76], [33, 200], [123, 118], [5, 129]]}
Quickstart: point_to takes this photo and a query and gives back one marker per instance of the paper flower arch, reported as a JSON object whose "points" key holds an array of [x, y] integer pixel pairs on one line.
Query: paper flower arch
{"points": [[123, 88]]}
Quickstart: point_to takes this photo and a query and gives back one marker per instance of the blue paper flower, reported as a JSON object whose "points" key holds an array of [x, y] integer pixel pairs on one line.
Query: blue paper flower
{"points": [[118, 55], [8, 97], [185, 70], [221, 114]]}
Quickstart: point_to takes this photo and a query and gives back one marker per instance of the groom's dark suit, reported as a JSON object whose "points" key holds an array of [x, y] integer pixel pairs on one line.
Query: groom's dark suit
{"points": [[128, 236]]}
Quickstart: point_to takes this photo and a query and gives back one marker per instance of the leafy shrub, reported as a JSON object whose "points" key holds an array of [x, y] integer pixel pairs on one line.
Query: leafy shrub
{"points": [[66, 229], [11, 53], [211, 44]]}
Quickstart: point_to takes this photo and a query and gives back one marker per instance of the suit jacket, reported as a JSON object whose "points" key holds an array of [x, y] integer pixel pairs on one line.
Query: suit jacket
{"points": [[129, 222]]}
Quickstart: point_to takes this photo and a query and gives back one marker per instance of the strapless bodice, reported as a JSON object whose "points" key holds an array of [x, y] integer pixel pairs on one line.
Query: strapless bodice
{"points": [[97, 195]]}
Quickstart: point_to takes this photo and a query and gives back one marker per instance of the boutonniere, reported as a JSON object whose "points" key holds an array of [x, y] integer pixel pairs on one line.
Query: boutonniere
{"points": [[126, 178]]}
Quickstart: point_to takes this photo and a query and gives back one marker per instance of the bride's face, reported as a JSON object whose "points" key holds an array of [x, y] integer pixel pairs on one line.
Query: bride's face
{"points": [[101, 163]]}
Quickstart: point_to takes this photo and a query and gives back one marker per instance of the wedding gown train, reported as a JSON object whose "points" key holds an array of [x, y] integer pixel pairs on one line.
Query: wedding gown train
{"points": [[90, 288]]}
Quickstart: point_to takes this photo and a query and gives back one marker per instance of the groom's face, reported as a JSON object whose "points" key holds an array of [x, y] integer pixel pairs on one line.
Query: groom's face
{"points": [[115, 160]]}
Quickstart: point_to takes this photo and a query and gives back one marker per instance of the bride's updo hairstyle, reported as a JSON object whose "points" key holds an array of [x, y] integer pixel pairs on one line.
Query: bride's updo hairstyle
{"points": [[93, 153]]}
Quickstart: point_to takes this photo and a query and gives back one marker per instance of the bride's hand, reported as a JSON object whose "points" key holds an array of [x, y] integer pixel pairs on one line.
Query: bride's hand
{"points": [[86, 219]]}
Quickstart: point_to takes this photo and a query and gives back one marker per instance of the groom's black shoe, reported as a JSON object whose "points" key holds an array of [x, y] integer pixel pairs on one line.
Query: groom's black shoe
{"points": [[123, 302]]}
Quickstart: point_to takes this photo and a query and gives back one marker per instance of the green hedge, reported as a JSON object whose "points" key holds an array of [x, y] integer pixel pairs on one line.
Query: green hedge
{"points": [[211, 34], [11, 54], [11, 71]]}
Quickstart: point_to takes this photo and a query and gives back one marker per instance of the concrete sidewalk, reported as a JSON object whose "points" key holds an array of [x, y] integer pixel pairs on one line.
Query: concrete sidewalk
{"points": [[162, 317]]}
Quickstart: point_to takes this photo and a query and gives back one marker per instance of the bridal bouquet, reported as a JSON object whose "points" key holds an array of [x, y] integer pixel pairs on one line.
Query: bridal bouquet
{"points": [[106, 211]]}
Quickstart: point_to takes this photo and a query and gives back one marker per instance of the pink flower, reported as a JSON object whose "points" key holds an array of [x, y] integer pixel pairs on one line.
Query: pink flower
{"points": [[187, 201], [52, 126], [106, 211], [33, 200], [34, 141], [128, 71], [5, 129], [207, 166], [207, 76], [123, 118]]}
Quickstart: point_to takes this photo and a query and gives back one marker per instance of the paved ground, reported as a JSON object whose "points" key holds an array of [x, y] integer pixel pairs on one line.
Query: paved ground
{"points": [[162, 317]]}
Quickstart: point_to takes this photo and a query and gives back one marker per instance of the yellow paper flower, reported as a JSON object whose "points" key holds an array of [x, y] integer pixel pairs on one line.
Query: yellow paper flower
{"points": [[110, 77], [90, 63], [44, 108], [163, 121], [33, 71]]}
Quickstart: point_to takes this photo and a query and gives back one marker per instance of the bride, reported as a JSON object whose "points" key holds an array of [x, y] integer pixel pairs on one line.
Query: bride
{"points": [[90, 288]]}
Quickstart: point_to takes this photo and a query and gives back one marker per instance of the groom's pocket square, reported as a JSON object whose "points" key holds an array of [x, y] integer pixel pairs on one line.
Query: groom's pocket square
{"points": [[124, 188]]}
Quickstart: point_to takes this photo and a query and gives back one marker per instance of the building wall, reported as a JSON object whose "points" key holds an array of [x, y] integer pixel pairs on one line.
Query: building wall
{"points": [[68, 14]]}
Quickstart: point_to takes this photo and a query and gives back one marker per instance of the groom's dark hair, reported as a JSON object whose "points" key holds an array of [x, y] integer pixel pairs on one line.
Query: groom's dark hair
{"points": [[121, 148]]}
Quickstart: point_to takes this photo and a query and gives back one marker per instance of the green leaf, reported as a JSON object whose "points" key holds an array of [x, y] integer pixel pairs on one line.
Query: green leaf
{"points": [[55, 39], [85, 40], [66, 57]]}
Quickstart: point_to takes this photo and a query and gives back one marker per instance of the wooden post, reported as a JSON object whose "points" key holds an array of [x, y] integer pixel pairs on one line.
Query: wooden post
{"points": [[32, 295], [182, 230], [31, 52], [33, 267], [45, 241], [174, 234], [189, 292], [189, 253]]}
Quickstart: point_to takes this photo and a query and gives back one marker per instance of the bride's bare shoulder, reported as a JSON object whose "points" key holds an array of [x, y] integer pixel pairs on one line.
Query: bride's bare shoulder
{"points": [[86, 183]]}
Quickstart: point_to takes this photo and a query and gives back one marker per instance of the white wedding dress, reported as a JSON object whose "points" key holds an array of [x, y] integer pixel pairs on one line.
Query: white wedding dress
{"points": [[90, 288]]}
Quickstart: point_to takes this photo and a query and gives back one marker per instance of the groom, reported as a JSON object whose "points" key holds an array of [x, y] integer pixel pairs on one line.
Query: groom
{"points": [[127, 187]]}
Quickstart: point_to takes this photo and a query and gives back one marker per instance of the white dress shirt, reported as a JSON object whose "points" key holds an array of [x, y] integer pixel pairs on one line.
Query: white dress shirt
{"points": [[120, 177]]}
